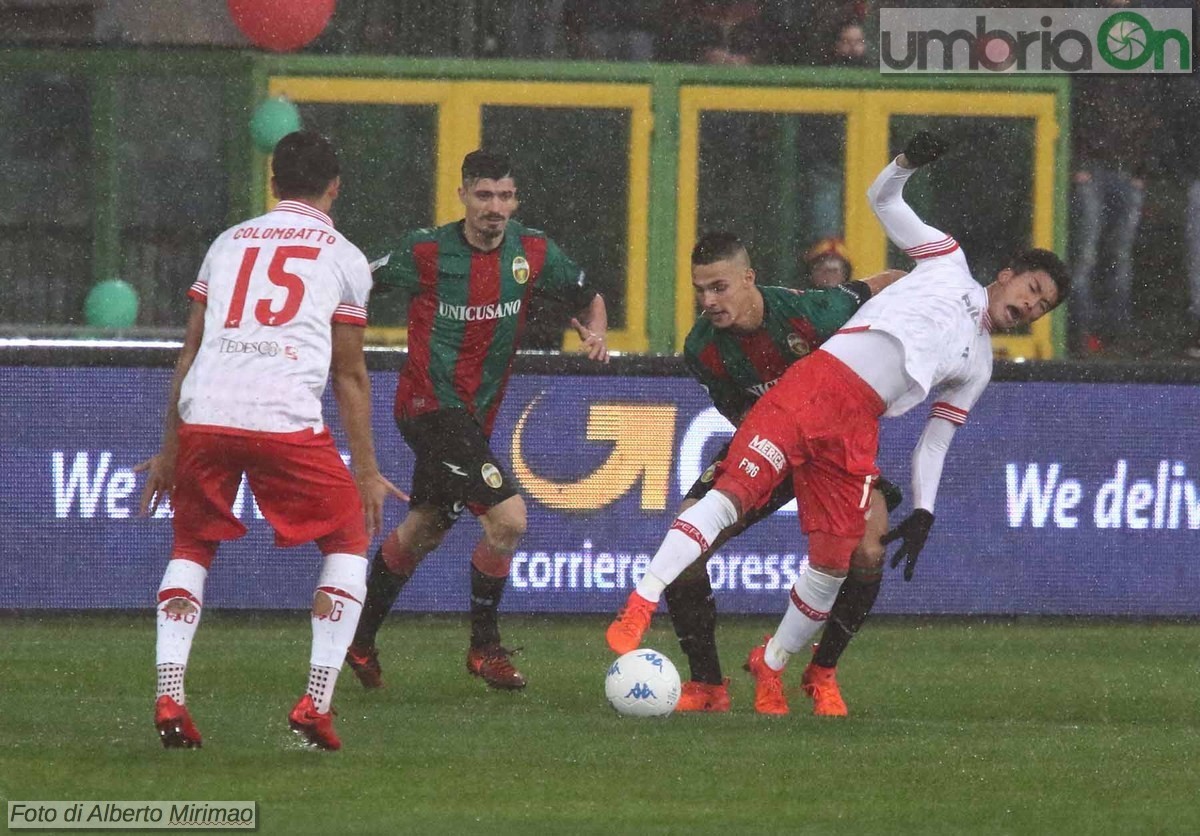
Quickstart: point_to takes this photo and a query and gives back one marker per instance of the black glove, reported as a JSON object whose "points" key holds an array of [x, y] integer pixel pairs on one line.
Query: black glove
{"points": [[924, 148], [913, 532]]}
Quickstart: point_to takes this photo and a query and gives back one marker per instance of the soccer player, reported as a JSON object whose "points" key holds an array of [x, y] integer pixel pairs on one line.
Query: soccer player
{"points": [[745, 339], [469, 284], [279, 304], [930, 332]]}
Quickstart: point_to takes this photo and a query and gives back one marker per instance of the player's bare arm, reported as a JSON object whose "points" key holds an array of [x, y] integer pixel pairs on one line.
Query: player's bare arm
{"points": [[883, 279], [592, 326], [352, 388], [160, 468]]}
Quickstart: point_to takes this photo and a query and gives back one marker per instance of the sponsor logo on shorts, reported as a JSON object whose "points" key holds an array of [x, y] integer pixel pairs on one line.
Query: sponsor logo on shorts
{"points": [[798, 345], [520, 270], [767, 449], [455, 469], [491, 475]]}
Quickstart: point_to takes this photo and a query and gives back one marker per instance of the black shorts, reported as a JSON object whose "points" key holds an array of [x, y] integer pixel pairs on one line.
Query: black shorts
{"points": [[783, 494], [455, 467]]}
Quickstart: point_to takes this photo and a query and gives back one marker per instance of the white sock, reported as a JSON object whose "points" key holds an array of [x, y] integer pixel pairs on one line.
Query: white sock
{"points": [[320, 686], [689, 537], [344, 580], [180, 602], [811, 599]]}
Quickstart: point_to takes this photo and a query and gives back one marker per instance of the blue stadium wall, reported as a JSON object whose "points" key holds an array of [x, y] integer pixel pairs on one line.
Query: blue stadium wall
{"points": [[1068, 492]]}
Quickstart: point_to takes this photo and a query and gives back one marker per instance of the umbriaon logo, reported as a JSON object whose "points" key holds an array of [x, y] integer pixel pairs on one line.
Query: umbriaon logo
{"points": [[1035, 40]]}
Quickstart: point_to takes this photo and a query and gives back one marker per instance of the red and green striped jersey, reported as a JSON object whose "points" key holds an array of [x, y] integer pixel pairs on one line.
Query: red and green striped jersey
{"points": [[466, 312], [737, 368]]}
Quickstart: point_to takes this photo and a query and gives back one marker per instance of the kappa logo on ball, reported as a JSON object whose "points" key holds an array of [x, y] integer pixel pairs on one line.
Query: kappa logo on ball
{"points": [[767, 449], [491, 475], [520, 270]]}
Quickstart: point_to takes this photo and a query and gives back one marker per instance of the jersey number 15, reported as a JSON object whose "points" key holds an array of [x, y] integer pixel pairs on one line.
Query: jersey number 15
{"points": [[278, 274]]}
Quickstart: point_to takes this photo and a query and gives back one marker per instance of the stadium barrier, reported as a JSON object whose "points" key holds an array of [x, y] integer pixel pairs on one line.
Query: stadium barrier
{"points": [[1070, 491]]}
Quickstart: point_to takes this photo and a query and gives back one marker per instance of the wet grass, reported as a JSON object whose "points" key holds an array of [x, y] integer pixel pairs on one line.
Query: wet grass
{"points": [[963, 727]]}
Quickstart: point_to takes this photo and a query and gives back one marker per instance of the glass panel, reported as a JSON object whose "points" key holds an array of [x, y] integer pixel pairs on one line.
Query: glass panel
{"points": [[981, 192], [45, 199], [388, 155], [174, 181], [572, 168], [777, 180]]}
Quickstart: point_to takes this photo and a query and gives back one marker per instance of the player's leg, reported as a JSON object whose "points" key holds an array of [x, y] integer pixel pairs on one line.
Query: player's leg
{"points": [[180, 601], [503, 526], [336, 607], [834, 468], [854, 601], [207, 477], [434, 507], [393, 565], [755, 466], [693, 607], [307, 494], [459, 469]]}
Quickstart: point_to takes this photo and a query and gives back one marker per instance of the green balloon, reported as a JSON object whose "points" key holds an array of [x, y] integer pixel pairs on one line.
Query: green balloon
{"points": [[272, 121], [111, 304]]}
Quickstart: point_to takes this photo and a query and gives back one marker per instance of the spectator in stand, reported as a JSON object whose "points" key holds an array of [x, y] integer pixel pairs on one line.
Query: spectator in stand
{"points": [[597, 30], [723, 32], [827, 263], [849, 47], [1115, 140]]}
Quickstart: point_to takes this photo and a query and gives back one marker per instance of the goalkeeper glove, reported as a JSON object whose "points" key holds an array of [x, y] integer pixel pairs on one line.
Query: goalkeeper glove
{"points": [[912, 534], [924, 148]]}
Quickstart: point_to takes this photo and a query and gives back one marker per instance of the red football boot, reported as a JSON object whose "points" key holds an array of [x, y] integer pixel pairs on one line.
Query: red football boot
{"points": [[493, 664], [174, 724], [314, 726]]}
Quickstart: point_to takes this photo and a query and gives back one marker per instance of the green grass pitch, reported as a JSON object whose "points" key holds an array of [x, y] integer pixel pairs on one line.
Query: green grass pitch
{"points": [[956, 727]]}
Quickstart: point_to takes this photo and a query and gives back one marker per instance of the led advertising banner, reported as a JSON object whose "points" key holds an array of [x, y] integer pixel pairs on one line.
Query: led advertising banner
{"points": [[1057, 498]]}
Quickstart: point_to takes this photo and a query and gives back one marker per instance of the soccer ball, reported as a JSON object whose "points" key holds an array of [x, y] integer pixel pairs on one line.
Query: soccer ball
{"points": [[642, 683]]}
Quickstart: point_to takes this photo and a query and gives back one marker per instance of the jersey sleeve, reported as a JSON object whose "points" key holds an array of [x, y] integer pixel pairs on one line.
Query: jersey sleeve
{"points": [[827, 309], [198, 292], [951, 406], [397, 268], [562, 279], [906, 230], [355, 282]]}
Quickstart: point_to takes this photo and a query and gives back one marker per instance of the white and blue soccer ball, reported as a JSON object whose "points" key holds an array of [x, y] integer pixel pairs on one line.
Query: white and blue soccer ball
{"points": [[642, 683]]}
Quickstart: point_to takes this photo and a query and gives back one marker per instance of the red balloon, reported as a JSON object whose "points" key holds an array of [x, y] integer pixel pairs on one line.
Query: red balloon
{"points": [[281, 25]]}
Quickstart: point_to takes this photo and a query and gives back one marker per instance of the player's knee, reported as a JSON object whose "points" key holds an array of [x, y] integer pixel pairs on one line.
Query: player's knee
{"points": [[505, 525], [506, 535], [868, 556]]}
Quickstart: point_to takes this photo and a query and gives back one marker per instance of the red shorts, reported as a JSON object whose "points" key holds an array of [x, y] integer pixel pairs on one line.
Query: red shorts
{"points": [[302, 487], [820, 426]]}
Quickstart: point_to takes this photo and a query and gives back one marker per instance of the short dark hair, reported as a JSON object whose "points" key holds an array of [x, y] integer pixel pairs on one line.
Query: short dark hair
{"points": [[1039, 259], [303, 165], [717, 246], [485, 165]]}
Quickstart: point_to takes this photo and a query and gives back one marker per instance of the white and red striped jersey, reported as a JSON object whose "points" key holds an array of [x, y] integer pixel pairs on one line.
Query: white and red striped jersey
{"points": [[937, 313], [273, 286], [928, 333]]}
